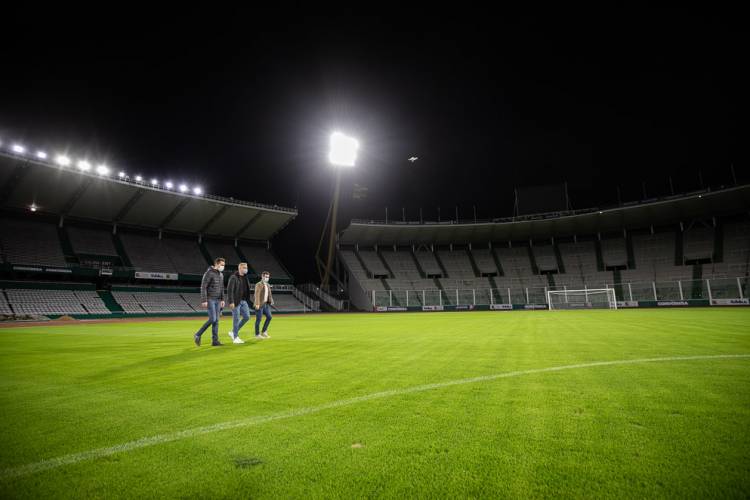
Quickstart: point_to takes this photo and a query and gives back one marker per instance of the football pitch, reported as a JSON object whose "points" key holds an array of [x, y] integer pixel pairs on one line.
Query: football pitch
{"points": [[631, 403]]}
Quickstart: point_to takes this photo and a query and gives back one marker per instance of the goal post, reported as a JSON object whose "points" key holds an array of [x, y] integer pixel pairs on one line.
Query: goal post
{"points": [[591, 298]]}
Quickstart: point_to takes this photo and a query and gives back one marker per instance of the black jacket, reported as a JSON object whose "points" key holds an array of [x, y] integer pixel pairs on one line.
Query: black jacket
{"points": [[212, 285], [234, 289]]}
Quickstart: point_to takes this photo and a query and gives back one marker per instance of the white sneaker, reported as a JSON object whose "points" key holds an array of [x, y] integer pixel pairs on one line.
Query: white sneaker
{"points": [[238, 340], [259, 337], [231, 334], [265, 335]]}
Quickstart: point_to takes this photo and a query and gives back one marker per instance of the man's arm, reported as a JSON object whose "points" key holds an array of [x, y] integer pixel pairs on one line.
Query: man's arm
{"points": [[204, 285], [232, 290]]}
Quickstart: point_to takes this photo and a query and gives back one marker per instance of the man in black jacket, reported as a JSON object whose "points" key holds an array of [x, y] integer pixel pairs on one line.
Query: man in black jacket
{"points": [[238, 295], [212, 298]]}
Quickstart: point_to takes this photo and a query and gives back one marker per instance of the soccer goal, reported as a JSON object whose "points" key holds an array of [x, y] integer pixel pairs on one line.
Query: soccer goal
{"points": [[594, 298]]}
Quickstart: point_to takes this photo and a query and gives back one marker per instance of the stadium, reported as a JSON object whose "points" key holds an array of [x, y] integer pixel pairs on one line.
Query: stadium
{"points": [[596, 351]]}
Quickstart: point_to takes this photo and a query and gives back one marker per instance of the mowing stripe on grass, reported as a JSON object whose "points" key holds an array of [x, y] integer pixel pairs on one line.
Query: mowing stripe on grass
{"points": [[54, 463]]}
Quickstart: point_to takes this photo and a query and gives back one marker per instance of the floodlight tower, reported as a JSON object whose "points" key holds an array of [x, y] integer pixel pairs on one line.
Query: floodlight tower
{"points": [[342, 154]]}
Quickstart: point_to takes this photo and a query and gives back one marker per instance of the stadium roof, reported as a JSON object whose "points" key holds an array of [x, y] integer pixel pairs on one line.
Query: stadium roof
{"points": [[654, 212], [82, 195]]}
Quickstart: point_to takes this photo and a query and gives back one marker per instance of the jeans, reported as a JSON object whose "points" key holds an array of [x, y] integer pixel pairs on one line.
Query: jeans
{"points": [[214, 311], [241, 309], [264, 310]]}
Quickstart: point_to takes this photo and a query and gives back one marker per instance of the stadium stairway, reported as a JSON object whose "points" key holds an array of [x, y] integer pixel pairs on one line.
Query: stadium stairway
{"points": [[440, 264], [438, 284], [473, 263], [121, 251], [629, 250], [416, 263], [551, 280], [109, 301], [204, 251], [599, 255], [500, 270], [359, 258], [558, 258], [67, 247], [385, 264], [534, 267], [618, 284], [494, 283], [697, 291], [719, 242]]}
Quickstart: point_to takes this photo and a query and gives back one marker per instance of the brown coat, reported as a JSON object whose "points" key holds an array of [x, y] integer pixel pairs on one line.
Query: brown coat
{"points": [[259, 294]]}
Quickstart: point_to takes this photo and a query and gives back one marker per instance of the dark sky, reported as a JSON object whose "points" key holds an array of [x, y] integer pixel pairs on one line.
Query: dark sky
{"points": [[243, 103]]}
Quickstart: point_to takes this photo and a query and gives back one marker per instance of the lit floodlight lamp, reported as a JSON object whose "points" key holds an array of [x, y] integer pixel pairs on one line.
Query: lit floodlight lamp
{"points": [[343, 150]]}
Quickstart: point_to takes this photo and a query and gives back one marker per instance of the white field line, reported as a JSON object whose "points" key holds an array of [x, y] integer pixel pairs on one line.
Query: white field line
{"points": [[54, 463]]}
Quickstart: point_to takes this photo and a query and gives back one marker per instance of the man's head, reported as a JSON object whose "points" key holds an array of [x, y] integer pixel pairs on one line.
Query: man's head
{"points": [[265, 276], [242, 268], [219, 263]]}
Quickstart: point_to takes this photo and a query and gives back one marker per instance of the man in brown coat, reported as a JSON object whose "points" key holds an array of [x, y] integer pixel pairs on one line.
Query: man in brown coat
{"points": [[263, 302]]}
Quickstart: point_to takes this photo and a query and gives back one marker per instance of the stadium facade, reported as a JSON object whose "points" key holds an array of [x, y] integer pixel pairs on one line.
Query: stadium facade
{"points": [[83, 243], [691, 249]]}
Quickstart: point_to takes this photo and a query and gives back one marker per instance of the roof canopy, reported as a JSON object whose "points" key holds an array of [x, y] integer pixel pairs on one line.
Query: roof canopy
{"points": [[71, 192], [671, 210]]}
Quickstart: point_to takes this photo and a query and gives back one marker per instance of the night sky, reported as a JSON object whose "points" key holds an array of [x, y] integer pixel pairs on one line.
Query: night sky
{"points": [[244, 103]]}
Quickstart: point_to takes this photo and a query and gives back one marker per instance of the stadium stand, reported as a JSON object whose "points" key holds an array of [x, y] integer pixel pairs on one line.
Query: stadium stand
{"points": [[579, 260], [485, 261], [30, 242], [428, 262], [373, 264], [91, 241], [262, 259], [457, 264], [698, 243], [152, 302], [5, 308], [146, 253], [223, 249], [186, 255], [54, 302], [544, 255], [614, 252]]}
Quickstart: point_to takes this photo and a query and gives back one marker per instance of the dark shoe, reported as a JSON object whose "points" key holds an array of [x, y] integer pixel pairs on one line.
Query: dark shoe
{"points": [[197, 339], [216, 344]]}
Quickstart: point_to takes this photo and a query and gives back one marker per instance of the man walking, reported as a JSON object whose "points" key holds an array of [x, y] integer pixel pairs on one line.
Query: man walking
{"points": [[263, 303], [212, 298], [238, 295]]}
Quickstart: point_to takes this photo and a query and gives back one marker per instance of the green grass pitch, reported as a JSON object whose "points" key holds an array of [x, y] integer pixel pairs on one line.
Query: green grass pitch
{"points": [[382, 405]]}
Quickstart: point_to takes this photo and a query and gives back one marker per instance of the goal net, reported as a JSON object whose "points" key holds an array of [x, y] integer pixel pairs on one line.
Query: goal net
{"points": [[595, 298]]}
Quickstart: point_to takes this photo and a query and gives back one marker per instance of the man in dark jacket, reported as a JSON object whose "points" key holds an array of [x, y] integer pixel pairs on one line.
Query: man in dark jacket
{"points": [[212, 298], [238, 295]]}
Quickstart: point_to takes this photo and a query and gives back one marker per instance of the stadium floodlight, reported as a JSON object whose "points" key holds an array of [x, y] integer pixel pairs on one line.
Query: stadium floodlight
{"points": [[154, 182], [32, 207], [121, 175], [343, 150], [84, 165], [197, 190], [168, 185], [41, 155], [138, 178], [17, 148], [102, 170], [63, 161], [183, 188]]}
